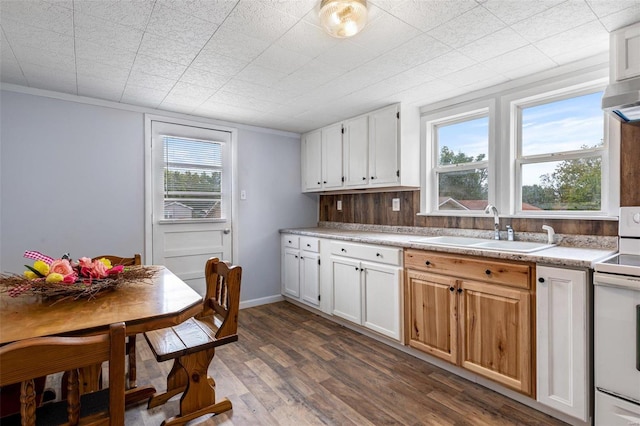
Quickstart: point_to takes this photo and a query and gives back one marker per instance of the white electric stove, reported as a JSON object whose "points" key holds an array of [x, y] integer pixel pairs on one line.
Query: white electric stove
{"points": [[617, 328]]}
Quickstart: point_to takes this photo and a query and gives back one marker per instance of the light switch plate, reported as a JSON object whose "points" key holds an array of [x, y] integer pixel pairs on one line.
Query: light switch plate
{"points": [[395, 205], [339, 204]]}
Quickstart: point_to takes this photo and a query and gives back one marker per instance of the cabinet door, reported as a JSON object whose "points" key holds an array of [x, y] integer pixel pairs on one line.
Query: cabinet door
{"points": [[383, 147], [626, 45], [347, 291], [356, 151], [291, 275], [310, 278], [495, 331], [561, 330], [382, 299], [311, 161], [332, 157], [431, 314]]}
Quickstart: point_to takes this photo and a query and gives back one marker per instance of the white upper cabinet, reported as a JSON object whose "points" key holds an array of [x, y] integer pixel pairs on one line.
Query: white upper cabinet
{"points": [[378, 149], [356, 143], [625, 46], [311, 168]]}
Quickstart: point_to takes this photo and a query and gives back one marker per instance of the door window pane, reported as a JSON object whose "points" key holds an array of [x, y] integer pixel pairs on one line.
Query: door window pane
{"points": [[192, 178], [463, 142], [566, 125], [562, 185]]}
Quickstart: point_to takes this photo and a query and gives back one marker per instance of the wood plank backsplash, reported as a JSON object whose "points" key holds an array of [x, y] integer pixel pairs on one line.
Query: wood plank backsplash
{"points": [[374, 208], [630, 165]]}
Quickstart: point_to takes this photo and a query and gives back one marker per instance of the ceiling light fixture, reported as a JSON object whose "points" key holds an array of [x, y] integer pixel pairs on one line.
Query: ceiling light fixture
{"points": [[343, 18]]}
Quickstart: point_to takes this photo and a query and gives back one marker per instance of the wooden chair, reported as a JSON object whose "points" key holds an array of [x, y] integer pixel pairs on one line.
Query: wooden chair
{"points": [[131, 340], [192, 345], [24, 360]]}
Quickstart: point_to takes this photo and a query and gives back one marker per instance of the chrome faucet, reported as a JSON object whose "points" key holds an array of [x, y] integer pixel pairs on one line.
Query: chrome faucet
{"points": [[496, 220]]}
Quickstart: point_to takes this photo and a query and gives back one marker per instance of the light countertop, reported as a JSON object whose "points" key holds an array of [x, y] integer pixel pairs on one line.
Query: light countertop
{"points": [[560, 255]]}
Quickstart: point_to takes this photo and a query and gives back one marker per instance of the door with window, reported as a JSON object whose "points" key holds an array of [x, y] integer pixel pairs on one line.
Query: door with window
{"points": [[191, 198]]}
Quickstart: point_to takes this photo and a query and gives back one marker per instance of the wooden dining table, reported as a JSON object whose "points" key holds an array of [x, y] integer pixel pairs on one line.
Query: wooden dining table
{"points": [[149, 304]]}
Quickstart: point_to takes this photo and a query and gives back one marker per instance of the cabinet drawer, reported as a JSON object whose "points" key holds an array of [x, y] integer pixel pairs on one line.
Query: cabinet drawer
{"points": [[292, 241], [378, 254], [459, 266], [310, 244]]}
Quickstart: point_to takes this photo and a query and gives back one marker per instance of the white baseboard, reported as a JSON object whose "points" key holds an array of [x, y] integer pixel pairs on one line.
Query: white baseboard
{"points": [[261, 301]]}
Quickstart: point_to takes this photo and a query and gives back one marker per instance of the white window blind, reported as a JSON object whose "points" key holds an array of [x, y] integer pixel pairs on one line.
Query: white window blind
{"points": [[192, 178]]}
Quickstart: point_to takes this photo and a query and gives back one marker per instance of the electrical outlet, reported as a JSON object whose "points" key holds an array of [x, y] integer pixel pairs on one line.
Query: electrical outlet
{"points": [[395, 205], [339, 205], [243, 194]]}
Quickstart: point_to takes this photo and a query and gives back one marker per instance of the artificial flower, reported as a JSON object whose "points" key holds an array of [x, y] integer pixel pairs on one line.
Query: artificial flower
{"points": [[61, 266], [54, 278], [41, 267], [30, 275], [106, 262], [115, 270], [85, 262], [70, 279]]}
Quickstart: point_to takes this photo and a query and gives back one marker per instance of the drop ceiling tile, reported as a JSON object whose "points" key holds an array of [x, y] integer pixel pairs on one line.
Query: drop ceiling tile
{"points": [[426, 15], [33, 55], [478, 76], [385, 33], [622, 18], [555, 20], [346, 55], [10, 70], [107, 73], [523, 57], [107, 55], [235, 45], [218, 64], [170, 50], [124, 12], [39, 14], [220, 111], [203, 78], [150, 81], [529, 68], [176, 107], [590, 35], [306, 39], [416, 51], [511, 11], [159, 67], [260, 75], [18, 33], [244, 102], [259, 20], [607, 7], [99, 88], [430, 92], [106, 33], [446, 64], [212, 11], [493, 45], [243, 88], [136, 95], [309, 76], [188, 94], [296, 8], [282, 60], [466, 28], [181, 27], [49, 78]]}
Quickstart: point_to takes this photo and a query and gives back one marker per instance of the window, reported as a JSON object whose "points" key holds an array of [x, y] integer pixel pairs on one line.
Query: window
{"points": [[559, 154], [192, 178], [460, 161]]}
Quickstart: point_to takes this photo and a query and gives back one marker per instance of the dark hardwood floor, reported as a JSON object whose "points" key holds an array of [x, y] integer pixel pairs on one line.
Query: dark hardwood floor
{"points": [[292, 367]]}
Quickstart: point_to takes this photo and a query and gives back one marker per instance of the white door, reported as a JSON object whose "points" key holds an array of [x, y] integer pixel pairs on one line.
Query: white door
{"points": [[332, 157], [383, 150], [311, 159], [382, 299], [347, 291], [310, 278], [291, 272], [356, 155], [191, 198]]}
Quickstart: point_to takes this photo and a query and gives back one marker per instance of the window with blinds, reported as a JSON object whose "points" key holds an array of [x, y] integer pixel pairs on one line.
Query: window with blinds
{"points": [[192, 179]]}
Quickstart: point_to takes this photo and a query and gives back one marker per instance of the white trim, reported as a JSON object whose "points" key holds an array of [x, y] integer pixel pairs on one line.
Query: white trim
{"points": [[261, 301], [207, 121], [148, 215]]}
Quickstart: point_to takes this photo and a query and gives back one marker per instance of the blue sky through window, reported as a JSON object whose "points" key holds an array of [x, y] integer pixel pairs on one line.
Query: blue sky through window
{"points": [[470, 137]]}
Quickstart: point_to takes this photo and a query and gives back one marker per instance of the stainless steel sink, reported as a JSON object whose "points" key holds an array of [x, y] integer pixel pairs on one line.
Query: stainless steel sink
{"points": [[481, 243]]}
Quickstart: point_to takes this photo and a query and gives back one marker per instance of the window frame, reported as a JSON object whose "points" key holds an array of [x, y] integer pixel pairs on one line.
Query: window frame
{"points": [[430, 183], [517, 159]]}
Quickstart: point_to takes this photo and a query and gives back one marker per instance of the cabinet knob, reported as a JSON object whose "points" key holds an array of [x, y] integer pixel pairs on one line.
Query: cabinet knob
{"points": [[459, 290], [324, 181], [289, 241], [357, 268], [296, 257], [364, 178], [378, 254], [319, 183], [373, 177], [488, 272], [451, 289], [540, 280], [343, 250], [427, 263], [308, 245]]}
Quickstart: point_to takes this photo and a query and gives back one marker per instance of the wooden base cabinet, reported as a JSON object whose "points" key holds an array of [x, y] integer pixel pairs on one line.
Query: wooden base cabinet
{"points": [[562, 340], [472, 312]]}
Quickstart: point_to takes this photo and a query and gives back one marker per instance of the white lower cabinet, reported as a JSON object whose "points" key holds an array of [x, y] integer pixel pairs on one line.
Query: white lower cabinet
{"points": [[367, 286], [301, 269], [562, 330]]}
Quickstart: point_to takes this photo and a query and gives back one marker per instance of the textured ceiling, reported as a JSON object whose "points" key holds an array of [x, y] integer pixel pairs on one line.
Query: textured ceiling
{"points": [[267, 62]]}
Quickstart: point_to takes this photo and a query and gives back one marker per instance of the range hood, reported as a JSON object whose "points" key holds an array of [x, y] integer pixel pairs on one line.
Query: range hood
{"points": [[622, 99], [622, 96]]}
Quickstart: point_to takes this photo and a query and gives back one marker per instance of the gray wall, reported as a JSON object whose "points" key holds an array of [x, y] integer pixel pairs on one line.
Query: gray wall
{"points": [[72, 180]]}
